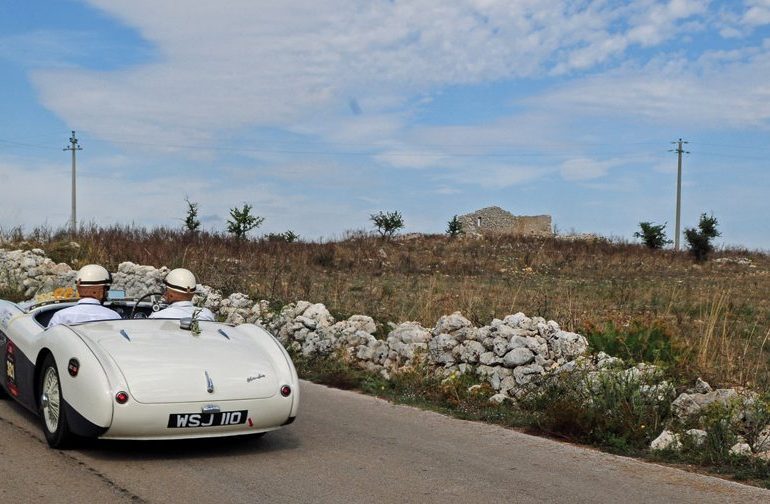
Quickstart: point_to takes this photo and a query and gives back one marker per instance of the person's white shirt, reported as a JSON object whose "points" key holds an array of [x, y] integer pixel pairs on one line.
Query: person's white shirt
{"points": [[183, 309], [86, 310]]}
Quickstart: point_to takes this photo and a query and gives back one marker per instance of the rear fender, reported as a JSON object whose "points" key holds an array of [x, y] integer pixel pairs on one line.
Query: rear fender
{"points": [[84, 381], [287, 373]]}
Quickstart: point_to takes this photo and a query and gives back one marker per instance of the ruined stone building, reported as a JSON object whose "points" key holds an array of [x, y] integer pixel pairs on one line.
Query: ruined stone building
{"points": [[496, 220]]}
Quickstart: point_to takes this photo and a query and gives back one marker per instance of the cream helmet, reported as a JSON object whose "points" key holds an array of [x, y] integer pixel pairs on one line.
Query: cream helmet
{"points": [[93, 274], [180, 280]]}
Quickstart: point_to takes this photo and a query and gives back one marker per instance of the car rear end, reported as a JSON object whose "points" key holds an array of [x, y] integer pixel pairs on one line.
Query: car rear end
{"points": [[175, 383]]}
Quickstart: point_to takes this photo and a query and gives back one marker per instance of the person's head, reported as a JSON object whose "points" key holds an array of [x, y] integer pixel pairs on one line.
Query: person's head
{"points": [[180, 285], [93, 281]]}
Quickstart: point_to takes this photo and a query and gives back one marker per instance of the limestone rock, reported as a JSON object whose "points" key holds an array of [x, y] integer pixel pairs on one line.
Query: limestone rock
{"points": [[741, 449], [689, 405], [667, 440], [518, 357]]}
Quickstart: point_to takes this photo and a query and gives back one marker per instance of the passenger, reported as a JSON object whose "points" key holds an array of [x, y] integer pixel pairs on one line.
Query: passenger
{"points": [[180, 289], [92, 284]]}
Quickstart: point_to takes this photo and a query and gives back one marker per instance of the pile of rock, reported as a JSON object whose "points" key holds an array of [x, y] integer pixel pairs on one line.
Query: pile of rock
{"points": [[507, 353], [740, 261], [32, 272], [138, 280], [740, 413]]}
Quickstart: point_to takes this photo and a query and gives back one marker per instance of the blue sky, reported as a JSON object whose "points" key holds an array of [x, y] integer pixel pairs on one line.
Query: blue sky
{"points": [[321, 113]]}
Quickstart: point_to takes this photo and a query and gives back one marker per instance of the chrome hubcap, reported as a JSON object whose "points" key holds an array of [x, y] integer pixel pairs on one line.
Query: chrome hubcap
{"points": [[50, 400]]}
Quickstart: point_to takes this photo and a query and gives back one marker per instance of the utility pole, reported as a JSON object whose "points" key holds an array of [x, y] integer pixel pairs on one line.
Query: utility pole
{"points": [[679, 152], [74, 147]]}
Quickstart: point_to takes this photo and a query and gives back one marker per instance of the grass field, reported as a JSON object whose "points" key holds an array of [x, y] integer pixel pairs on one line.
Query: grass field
{"points": [[710, 319]]}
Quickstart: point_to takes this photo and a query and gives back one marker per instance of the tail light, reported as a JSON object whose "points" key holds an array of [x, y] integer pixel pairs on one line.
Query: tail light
{"points": [[285, 391], [121, 397]]}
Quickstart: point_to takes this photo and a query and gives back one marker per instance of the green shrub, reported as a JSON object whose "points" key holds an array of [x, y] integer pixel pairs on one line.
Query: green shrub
{"points": [[652, 236], [242, 221], [11, 288], [611, 408], [638, 343], [699, 240], [454, 227], [387, 223], [286, 237], [191, 221]]}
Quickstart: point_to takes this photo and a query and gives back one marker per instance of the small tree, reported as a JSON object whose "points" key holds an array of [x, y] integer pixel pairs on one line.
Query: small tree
{"points": [[191, 222], [242, 221], [387, 223], [653, 236], [699, 240], [454, 227]]}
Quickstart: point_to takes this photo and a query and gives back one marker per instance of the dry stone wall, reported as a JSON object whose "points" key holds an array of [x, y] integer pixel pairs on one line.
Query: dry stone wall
{"points": [[31, 272]]}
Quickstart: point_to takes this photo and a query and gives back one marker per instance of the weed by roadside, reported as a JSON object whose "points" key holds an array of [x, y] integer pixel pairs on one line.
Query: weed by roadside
{"points": [[615, 412]]}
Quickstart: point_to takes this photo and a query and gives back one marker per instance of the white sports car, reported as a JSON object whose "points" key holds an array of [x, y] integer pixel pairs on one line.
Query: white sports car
{"points": [[140, 378]]}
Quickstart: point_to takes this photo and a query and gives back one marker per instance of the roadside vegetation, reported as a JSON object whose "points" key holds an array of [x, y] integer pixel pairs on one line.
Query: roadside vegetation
{"points": [[617, 415], [708, 319], [693, 318]]}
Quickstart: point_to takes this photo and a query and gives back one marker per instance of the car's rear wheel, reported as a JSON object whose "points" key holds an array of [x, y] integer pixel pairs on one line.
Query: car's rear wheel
{"points": [[51, 407]]}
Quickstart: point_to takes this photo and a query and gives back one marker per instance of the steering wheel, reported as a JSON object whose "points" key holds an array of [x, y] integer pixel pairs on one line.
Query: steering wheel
{"points": [[155, 302]]}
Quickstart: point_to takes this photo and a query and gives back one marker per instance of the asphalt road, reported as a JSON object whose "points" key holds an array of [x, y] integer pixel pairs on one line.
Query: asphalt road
{"points": [[344, 448]]}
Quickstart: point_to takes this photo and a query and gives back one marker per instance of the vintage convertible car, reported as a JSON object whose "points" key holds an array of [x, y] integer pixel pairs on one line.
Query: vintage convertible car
{"points": [[141, 378]]}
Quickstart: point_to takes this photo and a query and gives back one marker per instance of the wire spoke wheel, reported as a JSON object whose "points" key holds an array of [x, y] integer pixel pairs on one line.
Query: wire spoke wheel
{"points": [[51, 407], [52, 401]]}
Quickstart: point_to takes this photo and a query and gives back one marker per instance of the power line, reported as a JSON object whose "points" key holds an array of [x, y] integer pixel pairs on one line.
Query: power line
{"points": [[23, 144], [382, 150]]}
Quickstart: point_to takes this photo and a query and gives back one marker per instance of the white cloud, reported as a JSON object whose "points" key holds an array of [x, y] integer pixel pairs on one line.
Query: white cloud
{"points": [[710, 92], [586, 169], [758, 13], [495, 176], [224, 66]]}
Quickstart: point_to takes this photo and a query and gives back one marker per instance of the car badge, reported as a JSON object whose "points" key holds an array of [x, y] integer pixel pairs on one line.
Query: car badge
{"points": [[210, 408], [73, 367], [209, 383], [253, 378]]}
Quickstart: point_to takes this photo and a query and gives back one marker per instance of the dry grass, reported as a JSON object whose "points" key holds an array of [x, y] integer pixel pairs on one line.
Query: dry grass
{"points": [[717, 316]]}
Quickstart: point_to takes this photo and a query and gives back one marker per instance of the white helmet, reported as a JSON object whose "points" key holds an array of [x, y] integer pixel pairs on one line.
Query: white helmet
{"points": [[180, 280], [93, 274]]}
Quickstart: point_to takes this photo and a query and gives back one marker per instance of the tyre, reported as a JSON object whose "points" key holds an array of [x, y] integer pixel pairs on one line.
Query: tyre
{"points": [[51, 407]]}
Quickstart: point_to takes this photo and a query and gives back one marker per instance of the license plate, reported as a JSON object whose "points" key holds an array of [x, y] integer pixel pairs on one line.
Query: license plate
{"points": [[186, 420]]}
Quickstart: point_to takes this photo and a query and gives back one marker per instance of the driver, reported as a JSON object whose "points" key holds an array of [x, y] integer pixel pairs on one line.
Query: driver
{"points": [[180, 289], [92, 284]]}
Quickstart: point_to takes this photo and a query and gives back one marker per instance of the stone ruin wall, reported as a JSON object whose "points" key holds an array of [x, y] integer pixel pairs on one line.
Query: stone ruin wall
{"points": [[496, 220]]}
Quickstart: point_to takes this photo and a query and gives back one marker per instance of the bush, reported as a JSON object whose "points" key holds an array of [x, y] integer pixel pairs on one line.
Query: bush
{"points": [[638, 343], [612, 408], [242, 221], [699, 240], [387, 223], [652, 236], [287, 237], [191, 221], [454, 227]]}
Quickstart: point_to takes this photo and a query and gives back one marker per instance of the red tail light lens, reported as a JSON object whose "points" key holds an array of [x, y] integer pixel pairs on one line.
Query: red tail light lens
{"points": [[285, 391], [121, 397]]}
